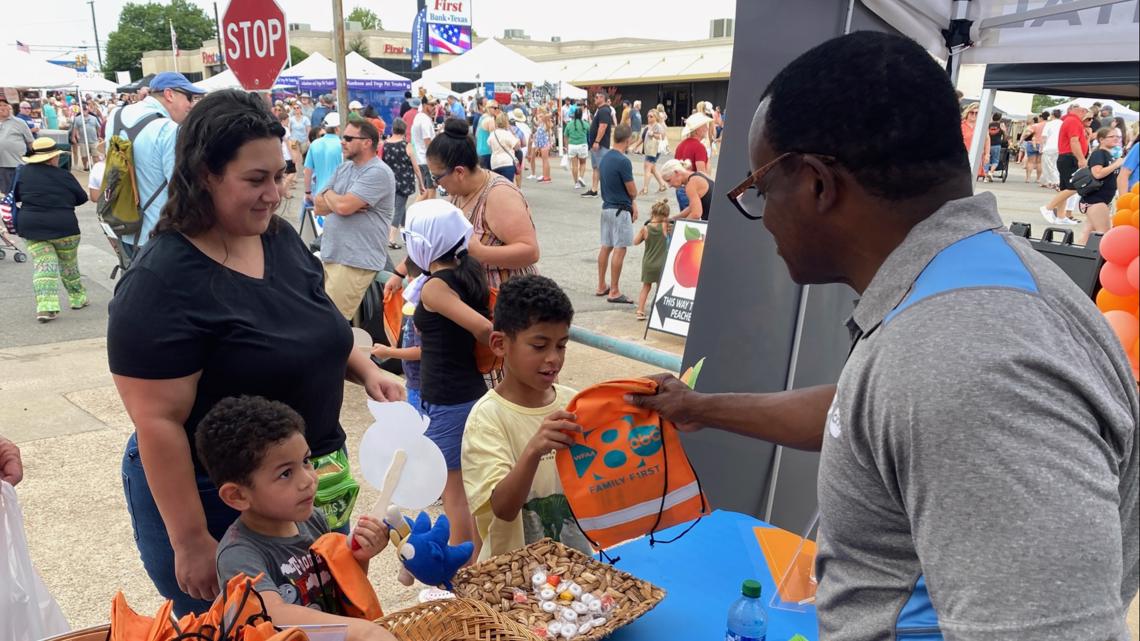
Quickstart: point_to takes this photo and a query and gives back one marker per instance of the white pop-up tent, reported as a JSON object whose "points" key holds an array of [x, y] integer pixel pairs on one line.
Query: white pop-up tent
{"points": [[490, 61], [22, 70], [1118, 109], [1026, 49], [96, 84], [315, 65], [433, 89], [218, 81]]}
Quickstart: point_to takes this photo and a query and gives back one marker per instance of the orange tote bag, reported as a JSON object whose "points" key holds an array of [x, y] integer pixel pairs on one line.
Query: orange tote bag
{"points": [[627, 474]]}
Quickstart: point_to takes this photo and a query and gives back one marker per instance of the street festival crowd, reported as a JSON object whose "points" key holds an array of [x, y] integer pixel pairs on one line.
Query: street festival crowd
{"points": [[995, 474]]}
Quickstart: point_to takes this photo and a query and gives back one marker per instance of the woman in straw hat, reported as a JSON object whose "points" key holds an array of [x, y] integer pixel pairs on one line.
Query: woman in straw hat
{"points": [[48, 197]]}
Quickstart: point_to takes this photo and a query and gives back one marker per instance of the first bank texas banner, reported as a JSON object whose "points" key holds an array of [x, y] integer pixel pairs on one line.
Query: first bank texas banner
{"points": [[450, 12]]}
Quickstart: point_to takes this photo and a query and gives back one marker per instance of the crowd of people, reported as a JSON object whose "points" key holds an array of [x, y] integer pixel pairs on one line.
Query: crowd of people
{"points": [[229, 345]]}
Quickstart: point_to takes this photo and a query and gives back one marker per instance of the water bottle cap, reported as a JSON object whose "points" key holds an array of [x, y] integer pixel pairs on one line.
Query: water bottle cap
{"points": [[751, 589]]}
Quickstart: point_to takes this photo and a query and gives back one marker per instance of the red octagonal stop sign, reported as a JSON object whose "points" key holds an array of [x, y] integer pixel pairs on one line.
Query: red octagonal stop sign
{"points": [[255, 41]]}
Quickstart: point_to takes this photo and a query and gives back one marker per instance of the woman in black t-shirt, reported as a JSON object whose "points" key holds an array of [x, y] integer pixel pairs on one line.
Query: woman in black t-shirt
{"points": [[1095, 206], [223, 300]]}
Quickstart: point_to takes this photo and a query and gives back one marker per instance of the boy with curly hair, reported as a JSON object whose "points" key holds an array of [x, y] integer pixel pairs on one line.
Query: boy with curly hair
{"points": [[255, 452], [513, 432]]}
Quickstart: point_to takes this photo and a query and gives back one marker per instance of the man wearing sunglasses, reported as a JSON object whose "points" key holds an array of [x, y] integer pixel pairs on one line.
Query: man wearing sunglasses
{"points": [[152, 125], [358, 202], [976, 480]]}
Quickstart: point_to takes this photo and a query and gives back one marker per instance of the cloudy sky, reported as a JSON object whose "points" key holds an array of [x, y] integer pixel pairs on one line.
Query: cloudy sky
{"points": [[53, 26]]}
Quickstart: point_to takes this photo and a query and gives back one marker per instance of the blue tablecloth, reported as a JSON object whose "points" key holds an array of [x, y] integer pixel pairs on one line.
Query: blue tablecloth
{"points": [[701, 574]]}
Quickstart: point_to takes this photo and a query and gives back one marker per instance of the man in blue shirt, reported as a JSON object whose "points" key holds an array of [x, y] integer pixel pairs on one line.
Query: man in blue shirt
{"points": [[321, 110], [26, 115], [169, 99], [324, 156], [619, 212], [455, 108], [1128, 171]]}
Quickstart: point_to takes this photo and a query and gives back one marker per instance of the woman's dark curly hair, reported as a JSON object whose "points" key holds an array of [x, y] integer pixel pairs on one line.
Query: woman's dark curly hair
{"points": [[208, 140]]}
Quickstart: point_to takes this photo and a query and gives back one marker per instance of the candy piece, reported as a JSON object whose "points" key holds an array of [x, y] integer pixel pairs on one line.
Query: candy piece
{"points": [[547, 594], [588, 597], [549, 607], [569, 630], [569, 615], [553, 629], [594, 606], [579, 607], [585, 627], [575, 589], [554, 580], [566, 595], [519, 596], [607, 603], [538, 579], [546, 586]]}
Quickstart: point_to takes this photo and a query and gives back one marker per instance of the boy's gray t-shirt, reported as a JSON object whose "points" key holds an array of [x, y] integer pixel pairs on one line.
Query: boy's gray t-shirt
{"points": [[290, 569], [361, 240]]}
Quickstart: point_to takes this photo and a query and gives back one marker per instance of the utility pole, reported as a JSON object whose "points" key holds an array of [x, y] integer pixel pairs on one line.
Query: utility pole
{"points": [[95, 26], [338, 56], [218, 35]]}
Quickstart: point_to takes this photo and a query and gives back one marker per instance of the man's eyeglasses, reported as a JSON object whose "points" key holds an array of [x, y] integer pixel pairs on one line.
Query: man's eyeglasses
{"points": [[348, 138], [748, 198], [436, 178], [189, 96]]}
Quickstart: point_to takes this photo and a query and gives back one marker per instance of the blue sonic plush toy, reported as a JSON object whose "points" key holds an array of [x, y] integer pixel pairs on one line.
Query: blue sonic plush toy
{"points": [[424, 551]]}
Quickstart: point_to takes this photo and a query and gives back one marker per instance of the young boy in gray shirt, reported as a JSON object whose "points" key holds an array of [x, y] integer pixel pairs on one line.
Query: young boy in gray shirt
{"points": [[255, 453]]}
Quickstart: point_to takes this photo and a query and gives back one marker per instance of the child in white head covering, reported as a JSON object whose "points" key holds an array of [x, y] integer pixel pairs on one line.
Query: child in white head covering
{"points": [[451, 315]]}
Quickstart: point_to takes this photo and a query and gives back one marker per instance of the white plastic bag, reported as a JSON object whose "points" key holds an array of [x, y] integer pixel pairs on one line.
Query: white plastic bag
{"points": [[28, 612]]}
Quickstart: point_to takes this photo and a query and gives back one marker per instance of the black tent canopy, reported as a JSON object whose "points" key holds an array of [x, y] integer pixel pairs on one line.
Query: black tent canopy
{"points": [[1112, 80]]}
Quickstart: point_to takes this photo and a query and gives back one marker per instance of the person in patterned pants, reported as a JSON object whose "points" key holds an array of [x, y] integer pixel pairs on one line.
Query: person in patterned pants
{"points": [[48, 196]]}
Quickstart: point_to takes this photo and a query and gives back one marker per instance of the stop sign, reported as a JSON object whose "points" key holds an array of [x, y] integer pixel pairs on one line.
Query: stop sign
{"points": [[254, 39]]}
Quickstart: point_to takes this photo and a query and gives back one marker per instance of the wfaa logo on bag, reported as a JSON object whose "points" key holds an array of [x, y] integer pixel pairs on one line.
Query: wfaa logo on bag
{"points": [[626, 475]]}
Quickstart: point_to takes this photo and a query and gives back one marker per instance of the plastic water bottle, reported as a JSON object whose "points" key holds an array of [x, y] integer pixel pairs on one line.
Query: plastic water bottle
{"points": [[747, 620]]}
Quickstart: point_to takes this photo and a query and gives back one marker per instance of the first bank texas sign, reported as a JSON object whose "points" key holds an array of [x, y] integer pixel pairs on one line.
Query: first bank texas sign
{"points": [[453, 12]]}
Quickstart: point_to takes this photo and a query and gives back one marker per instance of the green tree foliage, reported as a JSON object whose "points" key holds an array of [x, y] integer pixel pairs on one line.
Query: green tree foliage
{"points": [[145, 27], [366, 17], [357, 43], [296, 54], [1043, 102]]}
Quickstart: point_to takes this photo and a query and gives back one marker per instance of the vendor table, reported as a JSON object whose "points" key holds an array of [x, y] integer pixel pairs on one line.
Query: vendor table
{"points": [[701, 574]]}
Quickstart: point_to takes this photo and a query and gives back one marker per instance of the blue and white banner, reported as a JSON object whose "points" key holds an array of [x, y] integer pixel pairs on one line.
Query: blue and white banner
{"points": [[364, 84], [419, 38]]}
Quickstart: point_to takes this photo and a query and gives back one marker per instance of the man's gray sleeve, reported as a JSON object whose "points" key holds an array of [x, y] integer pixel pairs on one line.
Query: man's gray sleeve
{"points": [[995, 448], [372, 186], [241, 557]]}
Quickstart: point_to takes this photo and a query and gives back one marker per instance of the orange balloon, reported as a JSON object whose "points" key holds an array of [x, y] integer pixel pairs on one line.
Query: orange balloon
{"points": [[1126, 201], [1126, 326], [1106, 301], [1114, 278], [1122, 218], [1135, 222]]}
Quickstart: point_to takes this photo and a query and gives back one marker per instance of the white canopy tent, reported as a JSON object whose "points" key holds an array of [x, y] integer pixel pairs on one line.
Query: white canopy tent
{"points": [[1117, 109], [1009, 33], [315, 65], [19, 69], [567, 90], [490, 61], [96, 84], [357, 67], [223, 80], [433, 89]]}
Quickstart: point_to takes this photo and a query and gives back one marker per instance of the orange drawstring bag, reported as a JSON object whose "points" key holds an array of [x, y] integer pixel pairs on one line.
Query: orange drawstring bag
{"points": [[485, 359], [355, 595], [627, 475], [393, 316]]}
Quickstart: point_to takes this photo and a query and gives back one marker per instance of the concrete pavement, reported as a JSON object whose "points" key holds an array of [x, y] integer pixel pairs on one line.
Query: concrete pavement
{"points": [[57, 400]]}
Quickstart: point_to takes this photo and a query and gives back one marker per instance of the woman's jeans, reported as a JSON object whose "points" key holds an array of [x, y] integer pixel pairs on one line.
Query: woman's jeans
{"points": [[151, 537]]}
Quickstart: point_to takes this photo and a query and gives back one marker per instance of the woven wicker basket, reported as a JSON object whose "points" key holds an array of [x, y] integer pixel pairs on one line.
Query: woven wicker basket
{"points": [[454, 620], [494, 581], [98, 633]]}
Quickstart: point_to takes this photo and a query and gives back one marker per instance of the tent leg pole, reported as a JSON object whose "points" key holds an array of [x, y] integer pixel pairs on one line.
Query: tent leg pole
{"points": [[978, 145]]}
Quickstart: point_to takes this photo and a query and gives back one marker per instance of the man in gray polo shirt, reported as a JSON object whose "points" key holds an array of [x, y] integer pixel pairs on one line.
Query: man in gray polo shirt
{"points": [[358, 203], [15, 140], [979, 472]]}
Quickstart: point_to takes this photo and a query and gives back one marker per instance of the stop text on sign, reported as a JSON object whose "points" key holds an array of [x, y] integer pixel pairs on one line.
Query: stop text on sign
{"points": [[253, 38]]}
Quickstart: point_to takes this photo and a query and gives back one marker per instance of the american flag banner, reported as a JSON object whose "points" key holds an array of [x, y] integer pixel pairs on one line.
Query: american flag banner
{"points": [[173, 38], [22, 47], [445, 38]]}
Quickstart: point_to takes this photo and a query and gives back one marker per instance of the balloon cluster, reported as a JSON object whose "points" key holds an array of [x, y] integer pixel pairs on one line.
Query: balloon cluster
{"points": [[1119, 297]]}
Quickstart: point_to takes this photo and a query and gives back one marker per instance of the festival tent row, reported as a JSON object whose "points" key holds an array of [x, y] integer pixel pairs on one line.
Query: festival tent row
{"points": [[490, 61]]}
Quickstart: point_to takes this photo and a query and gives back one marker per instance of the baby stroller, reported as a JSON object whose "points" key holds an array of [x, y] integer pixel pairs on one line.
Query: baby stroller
{"points": [[6, 243]]}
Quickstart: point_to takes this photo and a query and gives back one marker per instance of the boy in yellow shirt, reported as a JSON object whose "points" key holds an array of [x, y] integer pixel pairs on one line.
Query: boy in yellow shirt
{"points": [[513, 432]]}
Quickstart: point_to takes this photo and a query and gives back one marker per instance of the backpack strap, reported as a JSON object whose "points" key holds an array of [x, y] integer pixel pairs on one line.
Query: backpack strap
{"points": [[131, 133]]}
